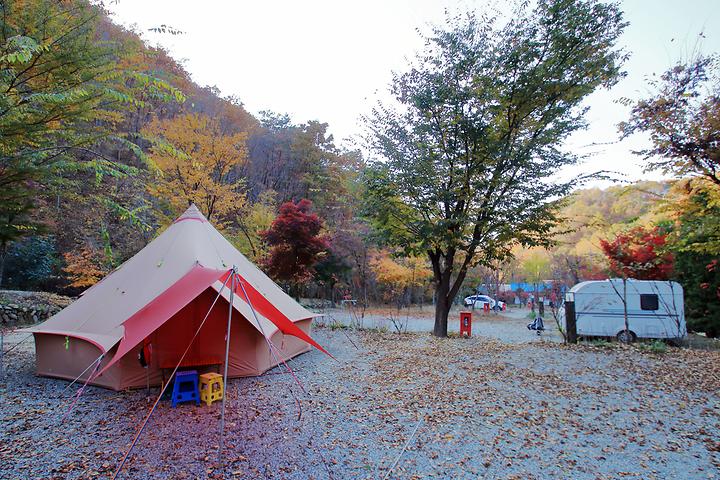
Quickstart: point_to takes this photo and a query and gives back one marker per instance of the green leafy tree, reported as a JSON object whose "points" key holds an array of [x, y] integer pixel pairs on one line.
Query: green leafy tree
{"points": [[471, 145], [32, 263], [696, 243], [61, 94], [700, 277], [49, 65]]}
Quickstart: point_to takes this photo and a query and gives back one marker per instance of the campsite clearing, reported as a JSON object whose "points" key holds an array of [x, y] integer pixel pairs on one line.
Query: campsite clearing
{"points": [[489, 409]]}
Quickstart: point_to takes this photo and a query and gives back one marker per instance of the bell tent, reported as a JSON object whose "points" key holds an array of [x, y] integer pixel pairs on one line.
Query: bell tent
{"points": [[134, 325]]}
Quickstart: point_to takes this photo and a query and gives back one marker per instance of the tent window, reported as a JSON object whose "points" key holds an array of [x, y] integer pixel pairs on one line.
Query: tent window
{"points": [[649, 301]]}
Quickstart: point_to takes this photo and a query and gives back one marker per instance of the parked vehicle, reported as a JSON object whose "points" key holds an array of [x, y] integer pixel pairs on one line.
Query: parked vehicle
{"points": [[481, 300], [655, 309]]}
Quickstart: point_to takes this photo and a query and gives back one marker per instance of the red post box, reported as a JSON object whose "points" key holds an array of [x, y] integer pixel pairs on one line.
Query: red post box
{"points": [[465, 323], [486, 307], [504, 307]]}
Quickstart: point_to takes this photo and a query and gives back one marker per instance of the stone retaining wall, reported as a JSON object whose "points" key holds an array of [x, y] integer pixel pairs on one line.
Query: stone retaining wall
{"points": [[12, 315], [27, 308]]}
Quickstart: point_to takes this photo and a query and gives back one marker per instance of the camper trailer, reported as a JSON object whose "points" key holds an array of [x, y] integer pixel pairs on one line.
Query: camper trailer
{"points": [[655, 309]]}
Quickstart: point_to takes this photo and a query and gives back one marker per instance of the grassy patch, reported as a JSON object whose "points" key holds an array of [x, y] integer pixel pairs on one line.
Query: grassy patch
{"points": [[655, 346], [338, 326], [600, 343], [378, 329]]}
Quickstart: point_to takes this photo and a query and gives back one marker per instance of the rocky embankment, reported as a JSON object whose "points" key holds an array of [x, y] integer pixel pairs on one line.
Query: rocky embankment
{"points": [[26, 308]]}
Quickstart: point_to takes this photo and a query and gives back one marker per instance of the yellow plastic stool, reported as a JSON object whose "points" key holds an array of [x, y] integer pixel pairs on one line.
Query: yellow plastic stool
{"points": [[211, 387]]}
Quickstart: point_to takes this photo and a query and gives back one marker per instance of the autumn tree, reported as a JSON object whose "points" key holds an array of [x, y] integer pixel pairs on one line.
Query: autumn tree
{"points": [[301, 161], [397, 276], [296, 243], [470, 147], [255, 218], [695, 241], [351, 244], [682, 117], [85, 267], [683, 120], [640, 253], [535, 266], [197, 162]]}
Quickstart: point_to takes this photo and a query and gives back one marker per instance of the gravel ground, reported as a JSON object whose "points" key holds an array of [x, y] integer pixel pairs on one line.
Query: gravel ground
{"points": [[509, 326], [478, 407]]}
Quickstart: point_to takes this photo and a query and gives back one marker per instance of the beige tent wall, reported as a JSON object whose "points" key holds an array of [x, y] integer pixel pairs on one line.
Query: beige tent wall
{"points": [[288, 346], [53, 360], [134, 375]]}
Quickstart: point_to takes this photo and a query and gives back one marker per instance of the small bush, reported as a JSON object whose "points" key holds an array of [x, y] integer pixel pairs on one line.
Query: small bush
{"points": [[377, 329], [600, 343], [656, 346]]}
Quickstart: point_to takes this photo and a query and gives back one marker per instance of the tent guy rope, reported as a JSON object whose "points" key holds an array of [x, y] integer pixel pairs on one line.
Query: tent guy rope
{"points": [[271, 346], [81, 390], [221, 442], [273, 350], [82, 373], [411, 437], [162, 391]]}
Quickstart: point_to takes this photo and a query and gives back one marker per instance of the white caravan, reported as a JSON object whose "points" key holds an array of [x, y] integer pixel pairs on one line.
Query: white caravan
{"points": [[655, 309]]}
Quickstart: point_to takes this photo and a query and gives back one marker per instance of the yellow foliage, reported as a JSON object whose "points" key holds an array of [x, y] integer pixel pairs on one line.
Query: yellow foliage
{"points": [[256, 218], [409, 272], [535, 264], [198, 163]]}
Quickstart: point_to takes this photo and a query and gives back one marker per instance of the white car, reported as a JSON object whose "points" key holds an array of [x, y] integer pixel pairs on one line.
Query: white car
{"points": [[481, 300]]}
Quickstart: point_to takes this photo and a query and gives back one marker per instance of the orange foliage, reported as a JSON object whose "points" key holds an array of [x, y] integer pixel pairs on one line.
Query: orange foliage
{"points": [[85, 267]]}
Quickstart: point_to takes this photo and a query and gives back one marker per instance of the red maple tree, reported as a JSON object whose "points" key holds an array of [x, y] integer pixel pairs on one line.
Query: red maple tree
{"points": [[295, 241], [639, 253]]}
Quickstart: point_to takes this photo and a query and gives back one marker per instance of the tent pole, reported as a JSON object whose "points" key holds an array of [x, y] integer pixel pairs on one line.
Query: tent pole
{"points": [[165, 386], [227, 355]]}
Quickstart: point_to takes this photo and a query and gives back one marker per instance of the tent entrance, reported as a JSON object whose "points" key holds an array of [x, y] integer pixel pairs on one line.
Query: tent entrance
{"points": [[207, 352], [170, 340]]}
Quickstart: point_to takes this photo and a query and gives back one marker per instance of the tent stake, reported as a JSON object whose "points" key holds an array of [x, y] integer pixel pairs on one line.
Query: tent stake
{"points": [[227, 356]]}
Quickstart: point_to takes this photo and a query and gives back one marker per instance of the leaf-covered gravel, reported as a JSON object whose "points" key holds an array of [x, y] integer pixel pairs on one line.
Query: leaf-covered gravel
{"points": [[482, 409]]}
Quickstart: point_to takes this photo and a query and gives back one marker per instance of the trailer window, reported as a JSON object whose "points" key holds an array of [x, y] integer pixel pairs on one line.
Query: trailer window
{"points": [[648, 301]]}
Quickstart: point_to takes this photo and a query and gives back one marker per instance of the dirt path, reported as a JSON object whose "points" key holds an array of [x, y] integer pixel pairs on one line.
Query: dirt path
{"points": [[488, 410]]}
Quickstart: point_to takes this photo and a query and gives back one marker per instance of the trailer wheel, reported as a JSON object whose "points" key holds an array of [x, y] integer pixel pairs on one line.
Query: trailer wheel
{"points": [[626, 336]]}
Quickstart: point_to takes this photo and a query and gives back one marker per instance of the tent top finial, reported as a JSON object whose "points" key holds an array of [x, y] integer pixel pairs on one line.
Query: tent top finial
{"points": [[192, 213]]}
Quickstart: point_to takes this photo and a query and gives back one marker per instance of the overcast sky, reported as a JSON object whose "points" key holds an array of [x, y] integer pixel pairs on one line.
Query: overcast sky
{"points": [[330, 60]]}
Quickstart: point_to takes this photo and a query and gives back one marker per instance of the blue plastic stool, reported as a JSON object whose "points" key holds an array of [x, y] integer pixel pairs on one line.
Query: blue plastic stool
{"points": [[185, 388]]}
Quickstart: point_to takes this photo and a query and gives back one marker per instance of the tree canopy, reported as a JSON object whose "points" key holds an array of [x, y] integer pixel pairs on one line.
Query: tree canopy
{"points": [[469, 148], [683, 120]]}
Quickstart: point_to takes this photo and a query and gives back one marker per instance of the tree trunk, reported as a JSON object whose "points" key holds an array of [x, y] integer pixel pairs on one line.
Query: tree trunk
{"points": [[442, 306], [3, 253], [445, 290]]}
